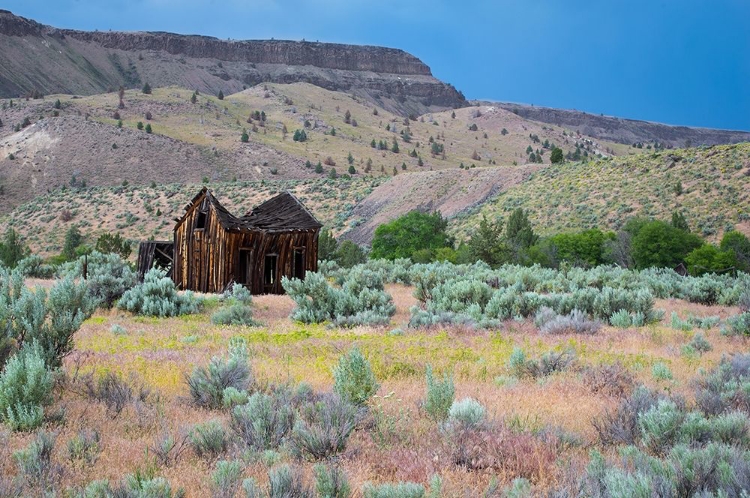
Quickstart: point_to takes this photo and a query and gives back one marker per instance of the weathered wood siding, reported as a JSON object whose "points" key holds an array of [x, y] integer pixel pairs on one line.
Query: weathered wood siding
{"points": [[208, 260]]}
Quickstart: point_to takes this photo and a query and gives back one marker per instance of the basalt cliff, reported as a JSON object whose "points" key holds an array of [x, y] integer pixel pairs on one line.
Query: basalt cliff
{"points": [[44, 59]]}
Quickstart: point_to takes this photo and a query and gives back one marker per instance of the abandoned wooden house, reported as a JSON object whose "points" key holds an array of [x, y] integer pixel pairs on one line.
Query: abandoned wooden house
{"points": [[213, 248]]}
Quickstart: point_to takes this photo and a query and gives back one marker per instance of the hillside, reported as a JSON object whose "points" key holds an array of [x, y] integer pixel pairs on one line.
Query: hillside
{"points": [[710, 185], [715, 196], [141, 212], [193, 141], [35, 57], [626, 131]]}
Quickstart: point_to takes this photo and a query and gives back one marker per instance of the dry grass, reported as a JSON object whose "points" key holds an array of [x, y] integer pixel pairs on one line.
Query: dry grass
{"points": [[398, 441]]}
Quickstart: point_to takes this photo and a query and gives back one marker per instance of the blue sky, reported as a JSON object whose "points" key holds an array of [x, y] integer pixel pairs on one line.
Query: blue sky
{"points": [[679, 62]]}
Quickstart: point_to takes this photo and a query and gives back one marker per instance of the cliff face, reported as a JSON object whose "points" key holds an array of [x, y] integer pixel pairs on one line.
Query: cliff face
{"points": [[627, 131], [51, 60]]}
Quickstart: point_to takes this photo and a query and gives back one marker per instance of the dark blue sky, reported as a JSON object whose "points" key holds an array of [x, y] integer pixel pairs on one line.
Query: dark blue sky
{"points": [[679, 62]]}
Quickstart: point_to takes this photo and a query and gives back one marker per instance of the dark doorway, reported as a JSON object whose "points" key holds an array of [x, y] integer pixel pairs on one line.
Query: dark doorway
{"points": [[299, 264], [245, 267], [270, 266]]}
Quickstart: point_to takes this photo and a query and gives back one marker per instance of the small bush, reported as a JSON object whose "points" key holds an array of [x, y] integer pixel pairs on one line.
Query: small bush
{"points": [[114, 392], [323, 427], [157, 296], [620, 426], [661, 371], [440, 394], [699, 343], [739, 324], [238, 310], [264, 422], [36, 464], [25, 388], [574, 323], [331, 482], [209, 439], [225, 480], [354, 380], [726, 387], [286, 482], [466, 413], [548, 364], [84, 447], [398, 490], [611, 380], [207, 385], [621, 319], [232, 397]]}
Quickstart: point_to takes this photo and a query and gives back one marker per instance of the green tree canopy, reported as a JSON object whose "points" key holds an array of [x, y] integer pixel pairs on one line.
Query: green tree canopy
{"points": [[12, 249], [738, 244], [709, 259], [584, 248], [488, 244], [327, 245], [556, 156], [411, 232], [108, 243], [659, 244]]}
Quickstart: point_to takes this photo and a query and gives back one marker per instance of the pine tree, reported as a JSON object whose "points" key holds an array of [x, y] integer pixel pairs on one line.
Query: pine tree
{"points": [[193, 98], [318, 168], [245, 137], [221, 95], [148, 128], [352, 170], [395, 148], [350, 158], [139, 125], [146, 88]]}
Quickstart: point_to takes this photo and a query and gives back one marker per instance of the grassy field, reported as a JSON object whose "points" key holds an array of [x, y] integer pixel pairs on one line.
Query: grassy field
{"points": [[397, 441]]}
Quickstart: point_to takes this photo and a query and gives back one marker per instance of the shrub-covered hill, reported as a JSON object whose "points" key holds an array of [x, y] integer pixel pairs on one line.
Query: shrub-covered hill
{"points": [[140, 212], [711, 186]]}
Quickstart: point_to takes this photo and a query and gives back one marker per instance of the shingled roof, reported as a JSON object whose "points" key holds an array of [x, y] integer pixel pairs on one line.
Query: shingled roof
{"points": [[280, 213], [283, 212]]}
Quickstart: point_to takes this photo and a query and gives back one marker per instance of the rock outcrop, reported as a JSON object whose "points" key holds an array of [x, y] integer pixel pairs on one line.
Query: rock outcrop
{"points": [[35, 57], [627, 131]]}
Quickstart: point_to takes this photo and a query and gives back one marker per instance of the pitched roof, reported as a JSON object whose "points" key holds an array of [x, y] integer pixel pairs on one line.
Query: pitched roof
{"points": [[281, 213]]}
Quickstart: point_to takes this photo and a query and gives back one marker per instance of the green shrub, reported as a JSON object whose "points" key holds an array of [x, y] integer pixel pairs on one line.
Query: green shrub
{"points": [[209, 439], [621, 319], [84, 447], [549, 363], [323, 427], [574, 323], [699, 343], [466, 413], [286, 482], [360, 300], [37, 465], [25, 388], [440, 394], [264, 421], [225, 480], [353, 378], [331, 482], [108, 276], [232, 397], [661, 371], [157, 296], [207, 385], [238, 310], [660, 425], [726, 387], [398, 490], [739, 324]]}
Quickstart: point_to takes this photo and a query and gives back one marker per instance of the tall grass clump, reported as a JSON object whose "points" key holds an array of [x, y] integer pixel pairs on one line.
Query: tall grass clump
{"points": [[353, 379], [360, 300], [37, 465], [25, 388], [285, 481], [549, 363], [237, 310], [440, 394], [208, 384], [158, 296]]}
